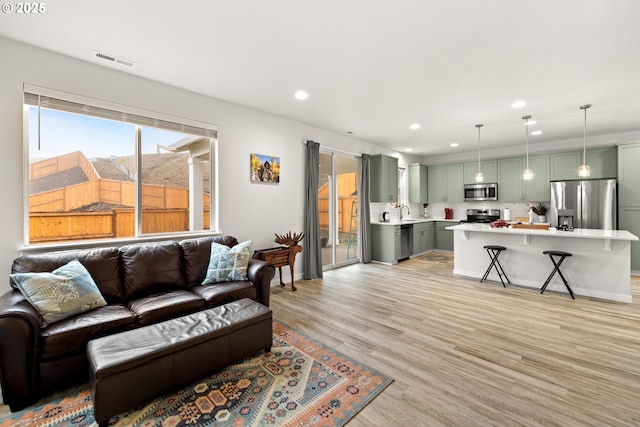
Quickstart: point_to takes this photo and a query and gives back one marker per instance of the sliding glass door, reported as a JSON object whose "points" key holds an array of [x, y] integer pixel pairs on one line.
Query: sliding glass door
{"points": [[338, 209]]}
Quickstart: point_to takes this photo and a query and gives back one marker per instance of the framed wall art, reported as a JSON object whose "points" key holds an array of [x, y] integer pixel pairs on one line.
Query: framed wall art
{"points": [[265, 168]]}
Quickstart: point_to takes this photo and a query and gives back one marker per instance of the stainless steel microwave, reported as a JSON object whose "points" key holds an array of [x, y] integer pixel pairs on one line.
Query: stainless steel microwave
{"points": [[480, 192]]}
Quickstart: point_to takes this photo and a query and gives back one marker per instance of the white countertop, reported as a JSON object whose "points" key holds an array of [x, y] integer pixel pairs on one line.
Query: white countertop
{"points": [[581, 233], [414, 221]]}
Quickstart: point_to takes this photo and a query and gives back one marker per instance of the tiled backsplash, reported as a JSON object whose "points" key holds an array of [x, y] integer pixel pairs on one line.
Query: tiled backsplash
{"points": [[436, 210]]}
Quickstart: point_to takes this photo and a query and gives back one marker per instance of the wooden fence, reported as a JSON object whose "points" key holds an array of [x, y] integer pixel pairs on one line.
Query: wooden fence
{"points": [[347, 186], [64, 226], [344, 213], [57, 164], [112, 192]]}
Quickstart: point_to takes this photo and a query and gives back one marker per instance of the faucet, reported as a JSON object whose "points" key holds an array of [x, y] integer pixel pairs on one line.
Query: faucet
{"points": [[408, 212]]}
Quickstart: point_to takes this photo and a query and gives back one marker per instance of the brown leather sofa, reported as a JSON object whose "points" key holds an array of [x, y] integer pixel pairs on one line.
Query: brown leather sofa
{"points": [[142, 283]]}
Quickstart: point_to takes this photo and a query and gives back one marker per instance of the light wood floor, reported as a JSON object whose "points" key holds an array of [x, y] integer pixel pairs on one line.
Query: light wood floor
{"points": [[474, 354]]}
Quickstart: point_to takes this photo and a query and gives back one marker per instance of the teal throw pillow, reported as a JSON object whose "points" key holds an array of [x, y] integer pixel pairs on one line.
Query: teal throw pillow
{"points": [[228, 264], [65, 292]]}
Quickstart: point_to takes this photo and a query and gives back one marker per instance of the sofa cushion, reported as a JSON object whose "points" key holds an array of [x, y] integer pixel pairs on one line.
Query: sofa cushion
{"points": [[102, 264], [151, 268], [62, 293], [70, 336], [223, 293], [196, 254], [165, 305], [228, 264]]}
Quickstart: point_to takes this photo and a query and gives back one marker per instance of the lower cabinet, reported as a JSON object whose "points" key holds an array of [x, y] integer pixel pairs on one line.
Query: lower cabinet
{"points": [[422, 237], [629, 217], [386, 239], [385, 243], [444, 237]]}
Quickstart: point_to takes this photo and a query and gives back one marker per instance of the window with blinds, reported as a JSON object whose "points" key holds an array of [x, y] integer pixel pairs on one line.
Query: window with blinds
{"points": [[102, 171]]}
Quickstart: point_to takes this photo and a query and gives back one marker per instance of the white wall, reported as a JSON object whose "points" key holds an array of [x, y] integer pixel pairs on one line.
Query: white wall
{"points": [[248, 211]]}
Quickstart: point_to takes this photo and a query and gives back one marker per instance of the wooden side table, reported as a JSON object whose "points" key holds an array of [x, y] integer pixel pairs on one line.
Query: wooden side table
{"points": [[280, 256]]}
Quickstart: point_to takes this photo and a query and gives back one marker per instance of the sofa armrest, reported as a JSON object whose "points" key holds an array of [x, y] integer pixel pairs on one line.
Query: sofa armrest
{"points": [[19, 341], [260, 273]]}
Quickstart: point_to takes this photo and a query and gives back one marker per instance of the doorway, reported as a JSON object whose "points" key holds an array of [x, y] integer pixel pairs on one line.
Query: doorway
{"points": [[338, 209]]}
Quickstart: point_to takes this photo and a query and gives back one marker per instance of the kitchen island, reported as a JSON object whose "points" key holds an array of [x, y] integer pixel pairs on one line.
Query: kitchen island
{"points": [[600, 266]]}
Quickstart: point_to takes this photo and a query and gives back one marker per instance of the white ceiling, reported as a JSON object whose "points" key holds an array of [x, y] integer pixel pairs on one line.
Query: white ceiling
{"points": [[373, 67]]}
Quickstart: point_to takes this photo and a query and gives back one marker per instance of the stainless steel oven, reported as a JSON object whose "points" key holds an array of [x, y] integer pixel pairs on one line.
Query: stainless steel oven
{"points": [[480, 192]]}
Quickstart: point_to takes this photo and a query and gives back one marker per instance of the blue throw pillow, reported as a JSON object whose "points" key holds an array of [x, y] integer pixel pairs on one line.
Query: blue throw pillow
{"points": [[228, 264], [65, 292]]}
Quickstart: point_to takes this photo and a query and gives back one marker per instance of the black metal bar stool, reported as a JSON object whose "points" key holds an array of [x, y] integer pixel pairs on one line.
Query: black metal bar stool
{"points": [[556, 267], [494, 253]]}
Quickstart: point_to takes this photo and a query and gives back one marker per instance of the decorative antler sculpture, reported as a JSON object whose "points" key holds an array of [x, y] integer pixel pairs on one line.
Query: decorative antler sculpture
{"points": [[289, 239]]}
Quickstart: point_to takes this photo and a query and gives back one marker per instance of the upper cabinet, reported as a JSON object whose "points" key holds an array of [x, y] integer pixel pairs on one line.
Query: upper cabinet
{"points": [[455, 183], [383, 183], [603, 163], [446, 183], [510, 179], [511, 186], [538, 189], [488, 167], [418, 190], [629, 174]]}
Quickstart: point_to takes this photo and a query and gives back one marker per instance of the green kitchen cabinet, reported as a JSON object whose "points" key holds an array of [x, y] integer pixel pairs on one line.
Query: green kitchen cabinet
{"points": [[489, 168], [436, 184], [565, 165], [455, 183], [538, 189], [602, 161], [383, 182], [385, 243], [446, 183], [418, 183], [510, 179], [422, 237], [444, 237], [629, 175], [511, 186], [629, 218]]}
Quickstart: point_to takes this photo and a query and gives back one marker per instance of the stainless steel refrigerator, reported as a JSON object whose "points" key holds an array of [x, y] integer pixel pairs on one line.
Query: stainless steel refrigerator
{"points": [[584, 204]]}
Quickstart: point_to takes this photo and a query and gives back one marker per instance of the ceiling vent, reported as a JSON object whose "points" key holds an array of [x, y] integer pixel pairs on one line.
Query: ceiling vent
{"points": [[114, 59]]}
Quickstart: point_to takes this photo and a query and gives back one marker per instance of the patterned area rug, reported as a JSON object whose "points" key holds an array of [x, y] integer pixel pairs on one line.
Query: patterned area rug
{"points": [[301, 382], [439, 257]]}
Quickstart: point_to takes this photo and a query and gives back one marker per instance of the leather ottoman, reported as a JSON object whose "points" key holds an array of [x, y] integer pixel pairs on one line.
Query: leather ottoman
{"points": [[133, 367]]}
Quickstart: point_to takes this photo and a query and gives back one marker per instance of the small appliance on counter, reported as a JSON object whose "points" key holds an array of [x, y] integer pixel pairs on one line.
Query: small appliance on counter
{"points": [[385, 217], [425, 212], [448, 213], [507, 214]]}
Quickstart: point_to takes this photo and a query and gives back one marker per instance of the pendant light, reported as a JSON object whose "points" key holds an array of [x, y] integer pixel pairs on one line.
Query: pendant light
{"points": [[584, 170], [479, 174], [527, 175]]}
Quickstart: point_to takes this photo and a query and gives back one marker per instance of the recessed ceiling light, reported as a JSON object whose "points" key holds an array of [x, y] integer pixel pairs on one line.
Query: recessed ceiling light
{"points": [[415, 126], [408, 150], [518, 104], [536, 132], [530, 122], [453, 144], [301, 95]]}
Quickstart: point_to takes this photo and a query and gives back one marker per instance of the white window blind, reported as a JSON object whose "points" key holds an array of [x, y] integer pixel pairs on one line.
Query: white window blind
{"points": [[44, 101]]}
